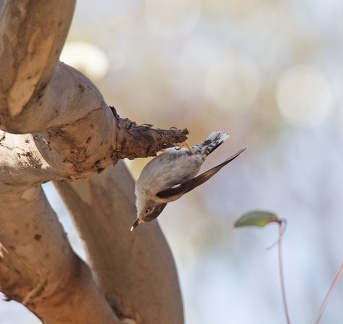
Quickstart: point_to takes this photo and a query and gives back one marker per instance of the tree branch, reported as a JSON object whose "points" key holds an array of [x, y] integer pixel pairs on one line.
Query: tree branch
{"points": [[38, 267], [32, 36], [57, 126], [136, 272]]}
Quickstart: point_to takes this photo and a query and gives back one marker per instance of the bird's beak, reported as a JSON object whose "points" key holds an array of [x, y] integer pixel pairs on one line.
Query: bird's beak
{"points": [[136, 223]]}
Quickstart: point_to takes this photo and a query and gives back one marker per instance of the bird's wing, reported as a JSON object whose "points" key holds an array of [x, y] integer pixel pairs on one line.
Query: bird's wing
{"points": [[189, 185]]}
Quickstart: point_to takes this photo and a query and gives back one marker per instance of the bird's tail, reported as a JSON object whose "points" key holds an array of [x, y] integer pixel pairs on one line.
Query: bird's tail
{"points": [[214, 140]]}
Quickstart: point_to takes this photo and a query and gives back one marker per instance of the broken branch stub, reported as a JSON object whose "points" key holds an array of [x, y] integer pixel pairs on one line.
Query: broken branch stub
{"points": [[135, 141]]}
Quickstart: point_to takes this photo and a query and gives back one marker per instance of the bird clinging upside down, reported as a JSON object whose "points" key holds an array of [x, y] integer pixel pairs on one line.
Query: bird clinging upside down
{"points": [[171, 174]]}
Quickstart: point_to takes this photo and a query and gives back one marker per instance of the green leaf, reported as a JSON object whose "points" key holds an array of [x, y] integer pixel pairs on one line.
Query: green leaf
{"points": [[256, 218]]}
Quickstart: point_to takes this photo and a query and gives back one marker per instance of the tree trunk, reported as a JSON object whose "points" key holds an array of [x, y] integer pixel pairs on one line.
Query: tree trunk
{"points": [[55, 125]]}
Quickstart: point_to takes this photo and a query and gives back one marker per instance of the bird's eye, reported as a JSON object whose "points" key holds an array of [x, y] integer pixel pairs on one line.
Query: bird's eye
{"points": [[147, 211]]}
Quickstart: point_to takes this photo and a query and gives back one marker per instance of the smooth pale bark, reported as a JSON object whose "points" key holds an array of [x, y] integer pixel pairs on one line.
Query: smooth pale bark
{"points": [[39, 269], [32, 36], [56, 126], [135, 269]]}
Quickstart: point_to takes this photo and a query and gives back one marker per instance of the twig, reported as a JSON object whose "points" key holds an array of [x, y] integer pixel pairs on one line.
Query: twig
{"points": [[282, 280], [334, 283]]}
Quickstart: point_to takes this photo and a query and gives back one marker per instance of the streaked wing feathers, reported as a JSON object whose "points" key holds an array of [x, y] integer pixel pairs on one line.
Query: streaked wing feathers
{"points": [[189, 185]]}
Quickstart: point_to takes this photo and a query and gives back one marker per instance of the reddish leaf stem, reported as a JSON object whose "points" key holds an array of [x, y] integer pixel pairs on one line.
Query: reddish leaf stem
{"points": [[334, 283], [282, 280]]}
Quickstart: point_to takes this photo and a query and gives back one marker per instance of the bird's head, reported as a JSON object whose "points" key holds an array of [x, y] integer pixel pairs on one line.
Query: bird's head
{"points": [[148, 212]]}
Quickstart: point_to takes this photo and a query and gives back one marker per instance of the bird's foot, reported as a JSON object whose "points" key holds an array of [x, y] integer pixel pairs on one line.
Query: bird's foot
{"points": [[185, 144]]}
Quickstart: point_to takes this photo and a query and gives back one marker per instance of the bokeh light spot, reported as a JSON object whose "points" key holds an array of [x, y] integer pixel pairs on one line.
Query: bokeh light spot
{"points": [[232, 81], [86, 58], [304, 96], [172, 17]]}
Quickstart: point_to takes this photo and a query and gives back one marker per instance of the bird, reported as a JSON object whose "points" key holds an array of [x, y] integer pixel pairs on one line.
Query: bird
{"points": [[170, 175]]}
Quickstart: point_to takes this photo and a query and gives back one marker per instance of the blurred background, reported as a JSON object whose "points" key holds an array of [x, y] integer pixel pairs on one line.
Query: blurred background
{"points": [[268, 72]]}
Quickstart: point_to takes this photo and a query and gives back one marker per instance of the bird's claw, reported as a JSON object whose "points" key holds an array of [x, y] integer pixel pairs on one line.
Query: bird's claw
{"points": [[185, 144]]}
